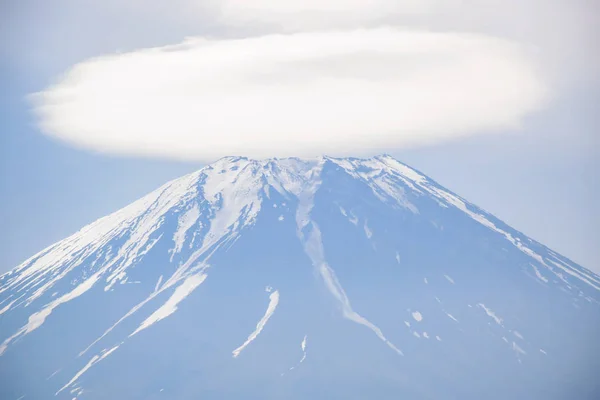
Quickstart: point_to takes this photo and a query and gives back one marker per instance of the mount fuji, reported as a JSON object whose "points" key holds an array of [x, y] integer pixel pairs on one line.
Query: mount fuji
{"points": [[325, 278]]}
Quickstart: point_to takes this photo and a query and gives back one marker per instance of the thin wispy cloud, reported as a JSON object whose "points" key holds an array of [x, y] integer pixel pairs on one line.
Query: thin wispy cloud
{"points": [[302, 90], [294, 15]]}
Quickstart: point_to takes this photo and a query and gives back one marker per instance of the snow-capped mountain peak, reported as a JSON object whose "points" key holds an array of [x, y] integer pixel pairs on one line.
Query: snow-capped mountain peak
{"points": [[369, 239]]}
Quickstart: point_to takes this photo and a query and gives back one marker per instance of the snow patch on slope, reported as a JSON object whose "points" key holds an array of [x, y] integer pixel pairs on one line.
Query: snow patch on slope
{"points": [[538, 274], [518, 349], [38, 318], [184, 223], [579, 275], [273, 301], [368, 231], [95, 359], [451, 316], [518, 334], [380, 178], [491, 314], [417, 316], [157, 286], [7, 307], [303, 346], [181, 292]]}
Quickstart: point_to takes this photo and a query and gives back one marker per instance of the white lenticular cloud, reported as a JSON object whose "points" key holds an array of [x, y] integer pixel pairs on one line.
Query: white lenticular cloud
{"points": [[340, 93]]}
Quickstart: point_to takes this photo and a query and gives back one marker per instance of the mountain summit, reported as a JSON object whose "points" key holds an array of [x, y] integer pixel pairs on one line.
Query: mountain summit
{"points": [[325, 278]]}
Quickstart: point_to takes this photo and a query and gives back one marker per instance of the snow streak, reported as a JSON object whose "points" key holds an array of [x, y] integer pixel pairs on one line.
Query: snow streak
{"points": [[310, 236], [273, 301]]}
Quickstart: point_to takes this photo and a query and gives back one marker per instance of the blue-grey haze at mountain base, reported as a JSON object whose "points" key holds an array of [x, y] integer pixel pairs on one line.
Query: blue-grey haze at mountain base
{"points": [[287, 278]]}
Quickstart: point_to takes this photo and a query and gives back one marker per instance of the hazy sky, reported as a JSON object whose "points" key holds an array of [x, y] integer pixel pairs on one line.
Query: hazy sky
{"points": [[102, 102]]}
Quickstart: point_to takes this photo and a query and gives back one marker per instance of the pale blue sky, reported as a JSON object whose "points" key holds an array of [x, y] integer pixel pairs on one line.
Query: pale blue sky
{"points": [[543, 179]]}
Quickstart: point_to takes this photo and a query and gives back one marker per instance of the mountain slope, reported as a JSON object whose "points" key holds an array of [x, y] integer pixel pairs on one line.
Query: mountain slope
{"points": [[299, 279]]}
